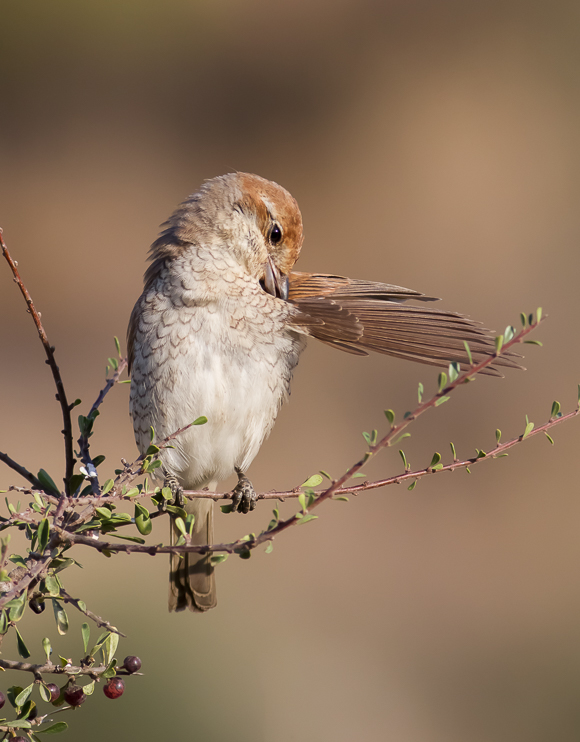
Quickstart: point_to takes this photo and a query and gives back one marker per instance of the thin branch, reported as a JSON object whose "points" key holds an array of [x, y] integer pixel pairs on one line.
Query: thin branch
{"points": [[83, 440], [80, 606], [50, 668], [49, 350]]}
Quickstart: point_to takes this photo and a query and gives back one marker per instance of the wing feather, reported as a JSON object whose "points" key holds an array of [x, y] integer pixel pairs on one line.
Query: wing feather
{"points": [[362, 316]]}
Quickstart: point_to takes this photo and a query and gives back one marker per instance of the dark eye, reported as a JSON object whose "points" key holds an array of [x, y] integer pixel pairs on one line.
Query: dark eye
{"points": [[275, 235]]}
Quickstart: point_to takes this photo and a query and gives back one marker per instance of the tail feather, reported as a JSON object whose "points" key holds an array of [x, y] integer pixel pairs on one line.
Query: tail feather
{"points": [[191, 576]]}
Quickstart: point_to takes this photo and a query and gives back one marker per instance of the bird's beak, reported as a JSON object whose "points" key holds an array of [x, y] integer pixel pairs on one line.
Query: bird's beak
{"points": [[274, 282]]}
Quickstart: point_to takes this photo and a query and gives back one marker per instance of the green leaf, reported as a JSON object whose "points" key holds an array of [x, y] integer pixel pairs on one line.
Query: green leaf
{"points": [[453, 371], [453, 452], [174, 510], [468, 470], [480, 453], [23, 696], [47, 648], [555, 409], [18, 724], [47, 482], [442, 381], [539, 314], [435, 460], [420, 390], [269, 548], [400, 438], [468, 351], [402, 455], [107, 487], [18, 560], [218, 558], [226, 508], [60, 617], [125, 381], [343, 498], [442, 400], [114, 363], [302, 500], [143, 520], [307, 518], [86, 634], [533, 342], [60, 726], [117, 344], [44, 693], [89, 688], [312, 481], [498, 436], [110, 647], [16, 607], [22, 648], [523, 319], [245, 554], [52, 585], [390, 415], [39, 500], [509, 333], [200, 420], [529, 428], [413, 485], [358, 474], [498, 344], [549, 437], [151, 432], [180, 525], [326, 474], [100, 641]]}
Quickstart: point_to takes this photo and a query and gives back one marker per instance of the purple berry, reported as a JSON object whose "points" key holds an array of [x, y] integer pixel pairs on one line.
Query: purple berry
{"points": [[54, 691], [132, 664], [2, 700], [114, 688], [74, 695]]}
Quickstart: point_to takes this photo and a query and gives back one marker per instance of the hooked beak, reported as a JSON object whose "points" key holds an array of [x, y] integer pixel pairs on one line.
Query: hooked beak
{"points": [[274, 282]]}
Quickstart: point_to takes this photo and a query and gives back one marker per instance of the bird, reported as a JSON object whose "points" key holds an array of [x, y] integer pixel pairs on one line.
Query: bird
{"points": [[219, 329]]}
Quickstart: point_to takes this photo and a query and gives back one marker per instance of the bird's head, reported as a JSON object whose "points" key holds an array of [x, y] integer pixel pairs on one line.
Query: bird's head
{"points": [[255, 220]]}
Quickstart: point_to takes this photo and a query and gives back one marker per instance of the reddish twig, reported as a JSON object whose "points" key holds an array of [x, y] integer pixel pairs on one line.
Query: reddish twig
{"points": [[49, 350]]}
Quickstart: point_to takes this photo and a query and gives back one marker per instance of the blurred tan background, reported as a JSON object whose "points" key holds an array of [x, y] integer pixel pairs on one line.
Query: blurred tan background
{"points": [[429, 144]]}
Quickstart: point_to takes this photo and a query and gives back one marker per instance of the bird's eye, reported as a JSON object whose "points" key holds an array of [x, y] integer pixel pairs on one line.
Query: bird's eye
{"points": [[275, 235]]}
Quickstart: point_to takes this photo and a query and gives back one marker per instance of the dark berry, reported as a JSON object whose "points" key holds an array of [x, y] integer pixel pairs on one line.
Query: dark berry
{"points": [[2, 700], [19, 739], [114, 688], [74, 695], [54, 691], [132, 664]]}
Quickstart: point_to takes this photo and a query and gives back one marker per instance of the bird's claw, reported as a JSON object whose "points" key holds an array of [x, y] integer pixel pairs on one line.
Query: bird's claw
{"points": [[244, 496], [176, 490]]}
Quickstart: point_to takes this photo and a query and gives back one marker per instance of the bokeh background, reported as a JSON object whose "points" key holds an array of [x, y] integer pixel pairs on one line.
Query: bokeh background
{"points": [[429, 144]]}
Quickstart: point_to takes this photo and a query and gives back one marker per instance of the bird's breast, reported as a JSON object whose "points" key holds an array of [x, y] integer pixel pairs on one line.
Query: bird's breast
{"points": [[230, 361]]}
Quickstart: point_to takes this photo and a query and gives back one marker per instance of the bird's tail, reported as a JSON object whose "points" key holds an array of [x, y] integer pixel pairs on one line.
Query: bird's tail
{"points": [[191, 576]]}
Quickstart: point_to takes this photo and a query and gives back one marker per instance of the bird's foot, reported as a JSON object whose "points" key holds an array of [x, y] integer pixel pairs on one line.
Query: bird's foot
{"points": [[244, 496], [176, 490]]}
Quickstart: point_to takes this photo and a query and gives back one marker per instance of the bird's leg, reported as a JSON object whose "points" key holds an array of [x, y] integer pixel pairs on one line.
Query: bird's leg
{"points": [[176, 490], [244, 496]]}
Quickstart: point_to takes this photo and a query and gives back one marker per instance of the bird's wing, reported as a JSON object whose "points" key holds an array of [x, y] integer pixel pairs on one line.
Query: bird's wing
{"points": [[361, 316]]}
